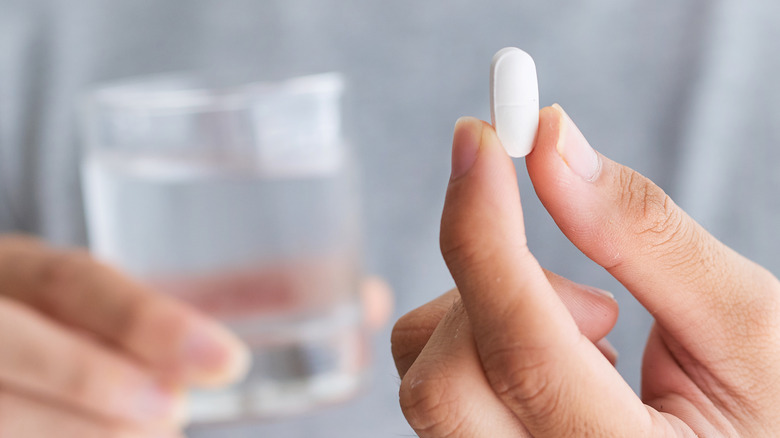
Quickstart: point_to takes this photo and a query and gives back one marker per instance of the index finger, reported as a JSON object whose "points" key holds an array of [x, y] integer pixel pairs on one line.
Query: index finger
{"points": [[534, 356], [166, 335]]}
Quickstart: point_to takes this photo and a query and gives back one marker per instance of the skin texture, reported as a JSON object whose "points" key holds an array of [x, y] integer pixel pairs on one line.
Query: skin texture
{"points": [[509, 356], [88, 352]]}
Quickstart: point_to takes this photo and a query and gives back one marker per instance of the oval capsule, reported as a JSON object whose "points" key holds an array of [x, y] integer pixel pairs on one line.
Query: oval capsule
{"points": [[514, 100]]}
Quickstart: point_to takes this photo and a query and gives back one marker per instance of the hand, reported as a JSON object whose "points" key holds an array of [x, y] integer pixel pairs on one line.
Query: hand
{"points": [[86, 352], [511, 358]]}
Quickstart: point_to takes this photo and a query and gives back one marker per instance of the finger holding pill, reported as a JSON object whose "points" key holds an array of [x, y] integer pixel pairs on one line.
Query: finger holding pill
{"points": [[514, 100]]}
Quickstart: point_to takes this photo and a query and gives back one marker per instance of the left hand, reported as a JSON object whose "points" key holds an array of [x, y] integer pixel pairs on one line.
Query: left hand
{"points": [[86, 351]]}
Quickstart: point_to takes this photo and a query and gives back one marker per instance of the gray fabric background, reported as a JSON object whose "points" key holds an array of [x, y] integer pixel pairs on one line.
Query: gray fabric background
{"points": [[685, 92]]}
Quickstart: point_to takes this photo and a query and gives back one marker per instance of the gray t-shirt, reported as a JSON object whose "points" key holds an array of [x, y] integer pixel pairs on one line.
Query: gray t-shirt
{"points": [[685, 92]]}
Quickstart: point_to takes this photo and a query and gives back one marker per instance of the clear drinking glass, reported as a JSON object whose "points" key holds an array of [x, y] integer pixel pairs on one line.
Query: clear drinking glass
{"points": [[241, 201]]}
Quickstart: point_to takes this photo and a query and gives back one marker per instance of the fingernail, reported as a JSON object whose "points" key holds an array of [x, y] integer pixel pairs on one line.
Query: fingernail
{"points": [[219, 358], [600, 292], [608, 350], [578, 155], [465, 144], [155, 403], [181, 411]]}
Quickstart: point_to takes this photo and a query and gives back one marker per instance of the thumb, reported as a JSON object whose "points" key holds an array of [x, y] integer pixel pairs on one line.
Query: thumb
{"points": [[533, 355], [688, 280]]}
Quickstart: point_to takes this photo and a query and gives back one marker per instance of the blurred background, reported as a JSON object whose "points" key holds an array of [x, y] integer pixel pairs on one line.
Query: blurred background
{"points": [[685, 92]]}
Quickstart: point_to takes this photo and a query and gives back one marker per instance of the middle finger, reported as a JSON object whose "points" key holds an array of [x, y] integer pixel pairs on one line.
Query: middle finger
{"points": [[446, 393], [595, 311]]}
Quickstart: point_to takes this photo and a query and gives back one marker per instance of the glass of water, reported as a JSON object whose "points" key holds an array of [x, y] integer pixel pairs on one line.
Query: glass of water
{"points": [[240, 200]]}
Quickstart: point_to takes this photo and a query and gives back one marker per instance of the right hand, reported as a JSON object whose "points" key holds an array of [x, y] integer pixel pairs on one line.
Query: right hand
{"points": [[511, 359], [86, 352]]}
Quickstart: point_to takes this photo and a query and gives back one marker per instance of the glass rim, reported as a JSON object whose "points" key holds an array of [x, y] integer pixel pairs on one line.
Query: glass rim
{"points": [[149, 93]]}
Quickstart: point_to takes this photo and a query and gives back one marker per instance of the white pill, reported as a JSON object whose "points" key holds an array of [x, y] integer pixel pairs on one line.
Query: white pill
{"points": [[514, 100]]}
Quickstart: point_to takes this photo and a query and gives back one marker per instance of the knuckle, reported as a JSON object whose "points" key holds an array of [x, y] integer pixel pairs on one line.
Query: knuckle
{"points": [[430, 401], [412, 321], [460, 246], [62, 279], [408, 330], [460, 251], [660, 223], [649, 208], [522, 376], [413, 329], [126, 321], [60, 270], [473, 252], [72, 280]]}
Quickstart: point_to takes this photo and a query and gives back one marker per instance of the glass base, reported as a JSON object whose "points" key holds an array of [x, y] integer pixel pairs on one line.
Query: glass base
{"points": [[296, 367]]}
